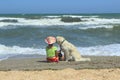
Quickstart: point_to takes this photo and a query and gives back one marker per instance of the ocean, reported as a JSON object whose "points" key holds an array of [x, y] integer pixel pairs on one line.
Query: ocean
{"points": [[93, 35]]}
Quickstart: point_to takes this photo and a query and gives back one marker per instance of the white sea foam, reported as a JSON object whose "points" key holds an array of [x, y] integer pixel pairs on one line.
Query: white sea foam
{"points": [[77, 16], [96, 26], [88, 22], [106, 50], [9, 51]]}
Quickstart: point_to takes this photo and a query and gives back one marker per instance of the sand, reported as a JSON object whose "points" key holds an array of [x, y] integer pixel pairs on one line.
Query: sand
{"points": [[65, 74], [100, 68]]}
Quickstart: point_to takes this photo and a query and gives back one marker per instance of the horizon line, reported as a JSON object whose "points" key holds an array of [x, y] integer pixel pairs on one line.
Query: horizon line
{"points": [[60, 13]]}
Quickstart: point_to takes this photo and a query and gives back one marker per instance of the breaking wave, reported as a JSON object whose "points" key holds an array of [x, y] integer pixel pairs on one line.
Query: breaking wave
{"points": [[87, 22], [106, 50]]}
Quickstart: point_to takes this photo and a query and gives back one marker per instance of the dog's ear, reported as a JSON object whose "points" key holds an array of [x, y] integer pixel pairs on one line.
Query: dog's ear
{"points": [[57, 40]]}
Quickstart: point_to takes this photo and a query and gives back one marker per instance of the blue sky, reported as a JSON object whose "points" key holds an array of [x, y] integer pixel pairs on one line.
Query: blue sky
{"points": [[59, 6]]}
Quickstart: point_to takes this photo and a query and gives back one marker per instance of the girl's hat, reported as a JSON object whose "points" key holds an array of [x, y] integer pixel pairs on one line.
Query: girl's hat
{"points": [[50, 40]]}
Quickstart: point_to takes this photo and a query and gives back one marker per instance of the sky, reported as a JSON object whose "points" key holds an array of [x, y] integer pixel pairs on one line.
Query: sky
{"points": [[59, 6]]}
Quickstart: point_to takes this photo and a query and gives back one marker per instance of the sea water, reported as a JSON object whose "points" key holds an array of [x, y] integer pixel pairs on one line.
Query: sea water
{"points": [[24, 34]]}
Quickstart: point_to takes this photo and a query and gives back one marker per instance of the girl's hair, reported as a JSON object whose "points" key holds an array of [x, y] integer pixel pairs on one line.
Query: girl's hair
{"points": [[50, 44]]}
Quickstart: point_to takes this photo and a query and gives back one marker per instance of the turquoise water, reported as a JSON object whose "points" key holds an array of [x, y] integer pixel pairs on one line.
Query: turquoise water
{"points": [[96, 34]]}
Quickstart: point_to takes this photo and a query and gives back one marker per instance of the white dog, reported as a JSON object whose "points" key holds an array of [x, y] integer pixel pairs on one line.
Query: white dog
{"points": [[70, 51]]}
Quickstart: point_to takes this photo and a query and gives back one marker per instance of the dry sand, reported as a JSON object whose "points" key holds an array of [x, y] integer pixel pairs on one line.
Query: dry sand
{"points": [[100, 68], [65, 74]]}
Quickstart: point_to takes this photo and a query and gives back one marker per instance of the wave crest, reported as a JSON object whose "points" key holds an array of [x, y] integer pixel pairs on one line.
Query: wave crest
{"points": [[87, 22]]}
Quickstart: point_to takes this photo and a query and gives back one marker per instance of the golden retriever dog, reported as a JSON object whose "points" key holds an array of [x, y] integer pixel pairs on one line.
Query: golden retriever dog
{"points": [[69, 50]]}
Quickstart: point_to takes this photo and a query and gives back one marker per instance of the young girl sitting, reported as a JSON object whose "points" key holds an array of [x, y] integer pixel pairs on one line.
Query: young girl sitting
{"points": [[51, 50]]}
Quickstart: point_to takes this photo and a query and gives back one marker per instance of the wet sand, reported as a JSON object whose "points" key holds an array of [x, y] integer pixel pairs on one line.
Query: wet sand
{"points": [[99, 68], [97, 62]]}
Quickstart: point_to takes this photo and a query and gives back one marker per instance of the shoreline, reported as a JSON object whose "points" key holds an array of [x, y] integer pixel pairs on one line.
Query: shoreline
{"points": [[38, 64]]}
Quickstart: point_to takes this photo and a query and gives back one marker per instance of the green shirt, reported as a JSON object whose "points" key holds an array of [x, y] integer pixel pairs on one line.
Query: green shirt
{"points": [[51, 51]]}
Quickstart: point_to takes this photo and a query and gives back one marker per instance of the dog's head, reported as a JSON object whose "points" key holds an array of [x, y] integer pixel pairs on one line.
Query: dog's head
{"points": [[60, 39]]}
